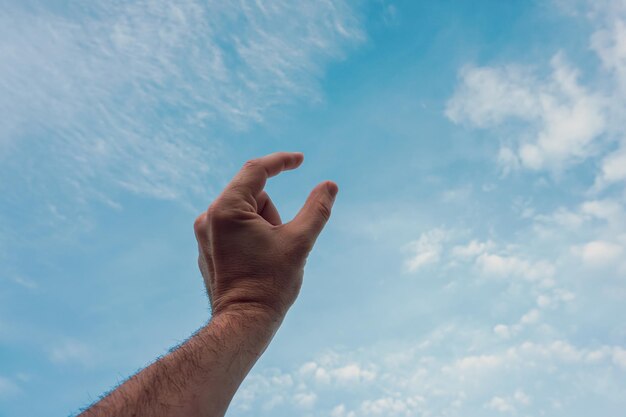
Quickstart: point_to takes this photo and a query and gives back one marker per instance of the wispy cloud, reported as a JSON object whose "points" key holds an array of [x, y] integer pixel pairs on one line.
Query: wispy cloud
{"points": [[8, 388], [71, 351], [24, 282], [136, 96]]}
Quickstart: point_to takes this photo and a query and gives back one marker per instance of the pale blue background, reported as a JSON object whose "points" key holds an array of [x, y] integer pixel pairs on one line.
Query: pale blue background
{"points": [[121, 122]]}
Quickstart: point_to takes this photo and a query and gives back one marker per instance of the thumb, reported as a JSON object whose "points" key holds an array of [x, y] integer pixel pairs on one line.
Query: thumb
{"points": [[313, 216]]}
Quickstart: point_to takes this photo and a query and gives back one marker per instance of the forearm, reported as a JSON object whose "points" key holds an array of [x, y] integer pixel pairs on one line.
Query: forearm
{"points": [[199, 378], [252, 265]]}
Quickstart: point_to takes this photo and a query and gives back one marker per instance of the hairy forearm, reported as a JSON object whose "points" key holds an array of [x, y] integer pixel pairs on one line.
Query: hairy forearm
{"points": [[201, 376], [252, 265]]}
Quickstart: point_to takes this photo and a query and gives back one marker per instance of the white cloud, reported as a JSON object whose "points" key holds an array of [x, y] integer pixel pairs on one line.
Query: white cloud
{"points": [[608, 210], [471, 250], [559, 349], [305, 400], [457, 195], [71, 351], [508, 160], [425, 250], [555, 298], [613, 169], [563, 218], [500, 404], [24, 281], [508, 404], [563, 118], [391, 406], [256, 388], [502, 330], [351, 373], [505, 266], [591, 218], [543, 301], [496, 94], [489, 260], [609, 42], [340, 411], [600, 253], [531, 317], [521, 397], [451, 376], [478, 363], [556, 121], [619, 357]]}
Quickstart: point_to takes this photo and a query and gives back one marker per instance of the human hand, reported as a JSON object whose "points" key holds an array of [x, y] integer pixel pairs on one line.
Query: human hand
{"points": [[249, 259]]}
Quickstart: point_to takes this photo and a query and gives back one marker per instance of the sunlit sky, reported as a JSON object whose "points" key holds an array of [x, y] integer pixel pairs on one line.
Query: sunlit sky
{"points": [[475, 261]]}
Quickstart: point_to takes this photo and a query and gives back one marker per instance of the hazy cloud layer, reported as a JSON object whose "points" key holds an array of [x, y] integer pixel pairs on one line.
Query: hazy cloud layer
{"points": [[133, 95]]}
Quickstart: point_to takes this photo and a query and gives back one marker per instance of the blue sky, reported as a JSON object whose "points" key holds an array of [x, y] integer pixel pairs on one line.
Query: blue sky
{"points": [[474, 264]]}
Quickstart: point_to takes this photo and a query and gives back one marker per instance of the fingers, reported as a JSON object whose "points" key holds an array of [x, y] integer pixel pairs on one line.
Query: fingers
{"points": [[255, 172], [316, 211], [267, 209], [205, 260]]}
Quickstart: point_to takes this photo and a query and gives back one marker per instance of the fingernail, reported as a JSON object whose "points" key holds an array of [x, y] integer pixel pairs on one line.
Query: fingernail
{"points": [[332, 189]]}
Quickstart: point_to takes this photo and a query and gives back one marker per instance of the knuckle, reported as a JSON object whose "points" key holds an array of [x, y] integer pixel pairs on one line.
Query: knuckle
{"points": [[255, 167], [324, 210], [215, 214], [251, 163], [199, 225]]}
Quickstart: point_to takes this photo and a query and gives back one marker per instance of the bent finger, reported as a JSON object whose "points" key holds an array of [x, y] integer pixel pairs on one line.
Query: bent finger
{"points": [[255, 172], [267, 209]]}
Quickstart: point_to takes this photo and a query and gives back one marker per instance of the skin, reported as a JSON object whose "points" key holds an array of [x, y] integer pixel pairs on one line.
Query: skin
{"points": [[252, 265]]}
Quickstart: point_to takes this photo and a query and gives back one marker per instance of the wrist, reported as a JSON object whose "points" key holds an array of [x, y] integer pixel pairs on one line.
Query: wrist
{"points": [[248, 327], [249, 313]]}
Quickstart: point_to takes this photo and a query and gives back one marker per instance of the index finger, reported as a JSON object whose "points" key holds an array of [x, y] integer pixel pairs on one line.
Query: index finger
{"points": [[255, 172]]}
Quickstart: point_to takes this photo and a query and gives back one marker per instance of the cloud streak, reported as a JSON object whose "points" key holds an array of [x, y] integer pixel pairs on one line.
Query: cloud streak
{"points": [[134, 96]]}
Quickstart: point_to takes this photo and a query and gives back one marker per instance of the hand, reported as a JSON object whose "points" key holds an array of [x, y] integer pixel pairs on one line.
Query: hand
{"points": [[249, 259]]}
